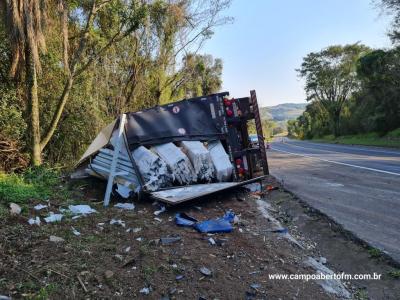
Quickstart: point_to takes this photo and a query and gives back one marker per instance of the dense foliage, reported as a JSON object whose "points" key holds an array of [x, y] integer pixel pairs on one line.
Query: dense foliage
{"points": [[67, 68], [352, 89]]}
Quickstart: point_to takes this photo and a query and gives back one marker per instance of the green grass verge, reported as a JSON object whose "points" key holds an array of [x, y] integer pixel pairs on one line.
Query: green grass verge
{"points": [[33, 184], [392, 139]]}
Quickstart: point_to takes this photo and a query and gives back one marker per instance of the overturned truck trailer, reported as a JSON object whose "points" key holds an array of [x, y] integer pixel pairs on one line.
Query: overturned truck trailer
{"points": [[179, 151]]}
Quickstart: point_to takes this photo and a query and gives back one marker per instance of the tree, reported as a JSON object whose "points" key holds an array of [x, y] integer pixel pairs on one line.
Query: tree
{"points": [[393, 7], [377, 105], [330, 78], [26, 20]]}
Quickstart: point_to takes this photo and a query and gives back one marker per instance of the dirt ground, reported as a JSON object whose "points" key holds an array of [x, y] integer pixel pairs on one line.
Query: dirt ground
{"points": [[109, 261]]}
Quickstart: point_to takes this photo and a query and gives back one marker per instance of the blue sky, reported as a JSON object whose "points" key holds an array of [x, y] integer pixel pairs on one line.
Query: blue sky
{"points": [[269, 38]]}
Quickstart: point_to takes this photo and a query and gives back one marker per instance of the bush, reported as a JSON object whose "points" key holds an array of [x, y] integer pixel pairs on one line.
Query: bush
{"points": [[35, 183]]}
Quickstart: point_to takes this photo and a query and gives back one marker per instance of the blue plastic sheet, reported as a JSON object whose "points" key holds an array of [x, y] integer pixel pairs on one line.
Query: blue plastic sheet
{"points": [[209, 226]]}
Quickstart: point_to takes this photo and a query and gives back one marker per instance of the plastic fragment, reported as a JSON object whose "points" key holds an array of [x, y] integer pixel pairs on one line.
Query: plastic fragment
{"points": [[118, 222], [81, 209], [53, 218], [39, 207], [123, 190], [182, 219], [75, 232], [145, 291], [205, 271], [56, 239], [34, 221], [15, 209], [127, 206], [170, 240]]}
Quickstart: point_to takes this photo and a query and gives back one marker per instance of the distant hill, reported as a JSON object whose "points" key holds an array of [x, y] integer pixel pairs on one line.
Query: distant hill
{"points": [[281, 113]]}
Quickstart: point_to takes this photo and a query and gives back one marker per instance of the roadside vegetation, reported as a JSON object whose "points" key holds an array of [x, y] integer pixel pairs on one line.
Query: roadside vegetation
{"points": [[79, 64], [353, 92]]}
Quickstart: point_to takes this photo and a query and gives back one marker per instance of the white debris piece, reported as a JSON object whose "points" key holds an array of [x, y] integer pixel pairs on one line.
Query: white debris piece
{"points": [[117, 222], [56, 239], [34, 221], [153, 169], [177, 162], [200, 158], [15, 209], [222, 164], [75, 232], [123, 190], [127, 206], [53, 218], [331, 285], [81, 209], [39, 207], [161, 210]]}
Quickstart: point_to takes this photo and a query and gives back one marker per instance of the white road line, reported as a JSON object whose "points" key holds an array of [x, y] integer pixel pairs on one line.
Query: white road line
{"points": [[338, 163], [351, 148]]}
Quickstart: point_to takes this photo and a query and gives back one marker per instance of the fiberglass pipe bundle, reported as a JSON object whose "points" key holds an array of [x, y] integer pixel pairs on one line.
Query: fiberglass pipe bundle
{"points": [[200, 158], [177, 162], [153, 170], [222, 164]]}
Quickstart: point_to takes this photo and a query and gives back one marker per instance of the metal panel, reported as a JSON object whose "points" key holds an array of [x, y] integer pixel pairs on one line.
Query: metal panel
{"points": [[182, 194]]}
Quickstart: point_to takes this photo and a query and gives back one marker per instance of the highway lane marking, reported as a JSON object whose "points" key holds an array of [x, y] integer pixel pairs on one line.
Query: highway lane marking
{"points": [[345, 147], [338, 163]]}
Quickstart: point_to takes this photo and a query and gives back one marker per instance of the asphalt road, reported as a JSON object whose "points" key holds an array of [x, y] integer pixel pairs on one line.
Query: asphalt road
{"points": [[358, 187]]}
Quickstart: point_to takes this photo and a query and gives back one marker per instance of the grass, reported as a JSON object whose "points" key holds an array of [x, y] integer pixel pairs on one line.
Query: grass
{"points": [[34, 184], [392, 139], [394, 274], [374, 253]]}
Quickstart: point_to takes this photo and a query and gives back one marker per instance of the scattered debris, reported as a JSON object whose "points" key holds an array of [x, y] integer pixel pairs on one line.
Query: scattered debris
{"points": [[255, 286], [15, 209], [272, 188], [209, 226], [322, 260], [211, 241], [139, 239], [205, 271], [34, 221], [3, 297], [56, 239], [161, 210], [123, 191], [39, 207], [119, 257], [182, 219], [253, 187], [118, 222], [75, 232], [53, 218], [170, 240], [218, 225], [158, 219], [330, 285], [127, 249], [145, 291], [82, 284], [179, 277], [134, 230], [81, 209], [127, 206]]}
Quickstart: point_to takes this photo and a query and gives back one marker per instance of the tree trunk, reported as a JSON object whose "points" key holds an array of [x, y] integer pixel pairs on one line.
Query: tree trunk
{"points": [[336, 123], [33, 106]]}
